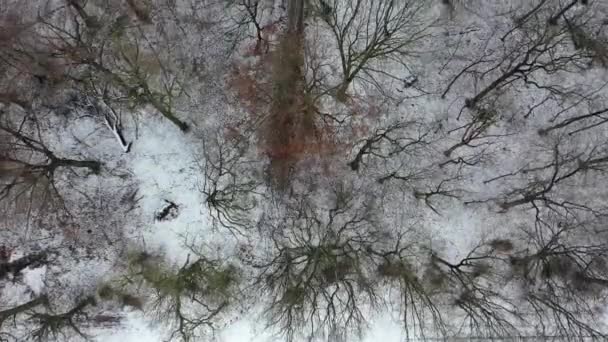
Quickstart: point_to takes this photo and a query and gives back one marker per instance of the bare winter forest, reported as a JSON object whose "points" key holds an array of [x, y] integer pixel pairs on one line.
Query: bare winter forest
{"points": [[303, 170]]}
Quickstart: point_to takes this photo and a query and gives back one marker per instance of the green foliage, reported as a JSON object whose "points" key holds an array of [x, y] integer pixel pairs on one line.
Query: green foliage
{"points": [[583, 41], [220, 281], [108, 293], [557, 267], [434, 279], [334, 270], [480, 269], [501, 245], [132, 301], [486, 115], [119, 26], [294, 296], [201, 277], [399, 269]]}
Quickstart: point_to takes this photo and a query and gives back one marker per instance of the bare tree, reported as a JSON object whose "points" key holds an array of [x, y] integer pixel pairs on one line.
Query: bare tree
{"points": [[597, 118], [477, 131], [190, 299], [529, 50], [30, 167], [229, 187], [48, 324], [15, 267], [562, 167], [483, 309], [369, 34], [322, 274], [398, 138], [249, 14], [563, 272], [39, 319], [108, 52], [546, 282], [13, 312], [313, 278]]}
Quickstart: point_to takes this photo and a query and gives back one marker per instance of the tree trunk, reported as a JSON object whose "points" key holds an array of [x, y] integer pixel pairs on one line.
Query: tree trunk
{"points": [[341, 92], [295, 16], [20, 264], [92, 165], [5, 314], [166, 112]]}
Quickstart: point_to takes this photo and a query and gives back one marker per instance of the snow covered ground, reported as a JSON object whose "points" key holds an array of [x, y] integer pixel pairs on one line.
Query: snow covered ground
{"points": [[473, 162]]}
